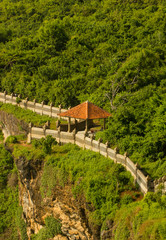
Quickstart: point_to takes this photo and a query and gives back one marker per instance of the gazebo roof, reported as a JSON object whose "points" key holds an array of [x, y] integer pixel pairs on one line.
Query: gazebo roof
{"points": [[86, 110]]}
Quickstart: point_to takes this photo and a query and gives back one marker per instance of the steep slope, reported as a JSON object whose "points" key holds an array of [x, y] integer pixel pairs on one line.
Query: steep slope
{"points": [[76, 194]]}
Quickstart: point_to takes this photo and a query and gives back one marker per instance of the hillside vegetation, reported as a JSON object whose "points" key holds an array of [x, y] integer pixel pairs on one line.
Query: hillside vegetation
{"points": [[113, 206], [12, 226], [111, 52]]}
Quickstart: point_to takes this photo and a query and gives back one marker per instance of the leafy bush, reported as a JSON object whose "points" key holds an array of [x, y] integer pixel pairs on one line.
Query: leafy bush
{"points": [[45, 144], [11, 139], [51, 229], [48, 143], [126, 199]]}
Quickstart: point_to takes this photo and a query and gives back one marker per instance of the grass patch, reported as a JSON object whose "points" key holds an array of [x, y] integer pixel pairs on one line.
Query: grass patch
{"points": [[28, 115]]}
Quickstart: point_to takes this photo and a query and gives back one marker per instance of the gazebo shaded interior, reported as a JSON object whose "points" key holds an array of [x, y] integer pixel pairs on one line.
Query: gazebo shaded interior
{"points": [[85, 111]]}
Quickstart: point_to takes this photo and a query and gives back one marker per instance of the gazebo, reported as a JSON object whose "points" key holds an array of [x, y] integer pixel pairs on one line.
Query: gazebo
{"points": [[85, 111]]}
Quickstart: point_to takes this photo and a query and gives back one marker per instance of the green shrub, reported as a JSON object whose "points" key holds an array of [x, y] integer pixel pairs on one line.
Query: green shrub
{"points": [[52, 228], [47, 144], [11, 139], [126, 199]]}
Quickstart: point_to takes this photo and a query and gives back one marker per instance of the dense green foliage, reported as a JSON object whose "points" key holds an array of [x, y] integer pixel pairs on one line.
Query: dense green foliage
{"points": [[142, 220], [6, 165], [45, 143], [10, 215], [52, 228], [68, 51], [111, 52], [139, 127]]}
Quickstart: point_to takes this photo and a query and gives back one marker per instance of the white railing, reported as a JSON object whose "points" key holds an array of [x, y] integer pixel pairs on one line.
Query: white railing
{"points": [[89, 143], [79, 139]]}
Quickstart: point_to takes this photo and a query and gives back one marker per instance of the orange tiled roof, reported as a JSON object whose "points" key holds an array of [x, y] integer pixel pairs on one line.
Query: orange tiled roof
{"points": [[86, 110]]}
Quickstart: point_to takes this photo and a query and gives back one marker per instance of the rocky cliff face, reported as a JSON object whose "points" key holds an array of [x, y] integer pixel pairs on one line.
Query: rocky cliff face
{"points": [[61, 205], [11, 125]]}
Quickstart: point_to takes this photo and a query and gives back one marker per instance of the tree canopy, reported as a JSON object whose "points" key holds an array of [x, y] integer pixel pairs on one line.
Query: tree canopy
{"points": [[110, 52]]}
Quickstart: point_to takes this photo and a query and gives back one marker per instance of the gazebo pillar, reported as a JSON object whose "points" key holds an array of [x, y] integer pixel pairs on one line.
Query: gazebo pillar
{"points": [[69, 124], [86, 125]]}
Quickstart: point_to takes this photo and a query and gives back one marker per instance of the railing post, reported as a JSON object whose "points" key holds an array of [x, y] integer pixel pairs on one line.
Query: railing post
{"points": [[60, 107], [29, 138], [107, 146], [74, 136], [19, 97], [47, 124], [4, 96], [116, 152], [57, 124], [69, 124], [42, 103], [126, 156], [44, 130], [136, 168], [51, 109], [147, 181], [75, 123], [59, 134], [85, 135], [155, 185], [92, 138], [99, 141], [34, 104], [12, 98], [26, 103]]}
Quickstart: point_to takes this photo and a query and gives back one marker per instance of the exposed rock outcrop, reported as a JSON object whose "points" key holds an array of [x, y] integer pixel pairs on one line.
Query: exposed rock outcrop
{"points": [[61, 205], [11, 125]]}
